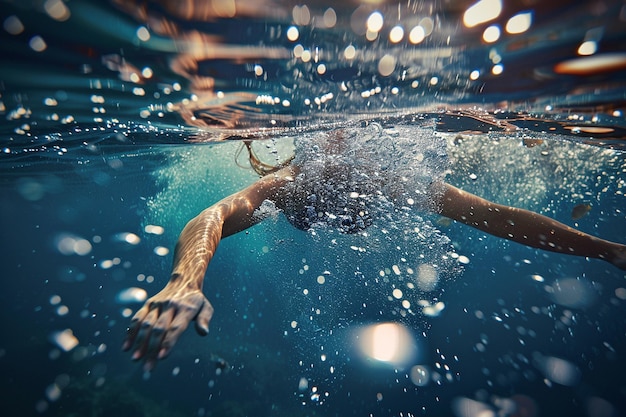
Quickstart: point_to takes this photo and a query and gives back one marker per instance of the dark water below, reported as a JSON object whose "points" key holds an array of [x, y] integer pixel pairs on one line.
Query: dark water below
{"points": [[113, 136]]}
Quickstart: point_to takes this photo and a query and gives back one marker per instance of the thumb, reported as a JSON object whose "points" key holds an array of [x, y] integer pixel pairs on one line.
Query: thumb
{"points": [[203, 318]]}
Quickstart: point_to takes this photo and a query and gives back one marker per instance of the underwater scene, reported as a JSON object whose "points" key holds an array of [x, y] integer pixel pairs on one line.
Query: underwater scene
{"points": [[420, 208]]}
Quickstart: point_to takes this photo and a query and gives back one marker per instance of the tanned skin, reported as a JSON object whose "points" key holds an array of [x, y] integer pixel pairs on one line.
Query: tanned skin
{"points": [[156, 327]]}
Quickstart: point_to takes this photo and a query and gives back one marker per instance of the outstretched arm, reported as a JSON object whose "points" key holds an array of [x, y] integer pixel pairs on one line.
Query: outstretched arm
{"points": [[526, 227], [155, 328]]}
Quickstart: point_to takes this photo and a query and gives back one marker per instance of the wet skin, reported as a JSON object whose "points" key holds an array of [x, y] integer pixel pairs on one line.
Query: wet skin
{"points": [[156, 327]]}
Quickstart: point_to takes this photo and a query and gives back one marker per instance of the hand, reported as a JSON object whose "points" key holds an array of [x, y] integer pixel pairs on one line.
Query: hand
{"points": [[156, 327]]}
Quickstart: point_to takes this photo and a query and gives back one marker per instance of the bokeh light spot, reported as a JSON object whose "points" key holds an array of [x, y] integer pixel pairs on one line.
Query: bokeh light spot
{"points": [[396, 34], [375, 22], [293, 33], [64, 339], [391, 343], [143, 34], [417, 35], [491, 34], [13, 25], [519, 23], [481, 12], [131, 295], [387, 65]]}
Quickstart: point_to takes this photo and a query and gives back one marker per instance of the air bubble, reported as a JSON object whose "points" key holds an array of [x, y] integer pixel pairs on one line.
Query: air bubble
{"points": [[463, 260], [155, 230], [293, 33], [161, 250], [350, 52], [131, 295], [420, 375], [57, 10], [64, 339], [387, 65], [143, 34], [417, 35], [37, 44], [375, 22], [13, 25], [396, 34]]}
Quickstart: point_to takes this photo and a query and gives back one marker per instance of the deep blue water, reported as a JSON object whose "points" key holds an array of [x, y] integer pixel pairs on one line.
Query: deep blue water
{"points": [[257, 295], [523, 332]]}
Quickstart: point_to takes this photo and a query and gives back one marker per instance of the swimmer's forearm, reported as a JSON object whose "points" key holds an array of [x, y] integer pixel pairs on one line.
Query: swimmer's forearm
{"points": [[196, 246], [522, 226], [200, 237]]}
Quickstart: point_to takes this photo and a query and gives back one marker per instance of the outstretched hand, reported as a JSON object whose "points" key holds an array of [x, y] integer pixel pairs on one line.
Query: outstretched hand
{"points": [[156, 327]]}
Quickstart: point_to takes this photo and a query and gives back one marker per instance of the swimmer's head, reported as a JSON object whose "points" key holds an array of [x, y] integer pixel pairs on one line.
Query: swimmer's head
{"points": [[260, 167]]}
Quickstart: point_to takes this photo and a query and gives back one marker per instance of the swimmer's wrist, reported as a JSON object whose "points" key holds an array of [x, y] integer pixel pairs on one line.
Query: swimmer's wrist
{"points": [[181, 281]]}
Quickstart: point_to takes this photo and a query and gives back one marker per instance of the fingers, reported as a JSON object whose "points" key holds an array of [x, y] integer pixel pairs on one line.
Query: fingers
{"points": [[203, 318], [156, 327], [142, 340], [157, 334], [133, 328], [179, 325]]}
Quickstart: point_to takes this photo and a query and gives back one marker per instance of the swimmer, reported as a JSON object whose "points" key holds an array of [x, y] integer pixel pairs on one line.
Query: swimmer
{"points": [[336, 183]]}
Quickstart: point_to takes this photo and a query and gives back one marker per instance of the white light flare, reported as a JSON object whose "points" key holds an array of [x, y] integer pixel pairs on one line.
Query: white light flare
{"points": [[127, 237], [396, 34], [386, 65], [519, 23], [375, 22], [68, 244], [491, 34], [587, 48], [64, 339], [417, 35], [293, 33], [131, 295], [481, 12], [390, 343], [588, 65]]}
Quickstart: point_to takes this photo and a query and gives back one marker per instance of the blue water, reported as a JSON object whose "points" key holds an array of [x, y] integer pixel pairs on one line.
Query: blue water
{"points": [[103, 162]]}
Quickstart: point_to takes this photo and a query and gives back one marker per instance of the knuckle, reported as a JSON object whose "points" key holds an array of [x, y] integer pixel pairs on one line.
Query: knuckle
{"points": [[187, 308]]}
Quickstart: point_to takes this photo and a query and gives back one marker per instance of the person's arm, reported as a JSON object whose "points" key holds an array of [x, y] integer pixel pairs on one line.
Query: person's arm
{"points": [[156, 327], [526, 227]]}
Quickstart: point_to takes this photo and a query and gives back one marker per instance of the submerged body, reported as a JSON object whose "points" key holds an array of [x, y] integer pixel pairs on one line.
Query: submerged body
{"points": [[345, 180], [348, 178]]}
